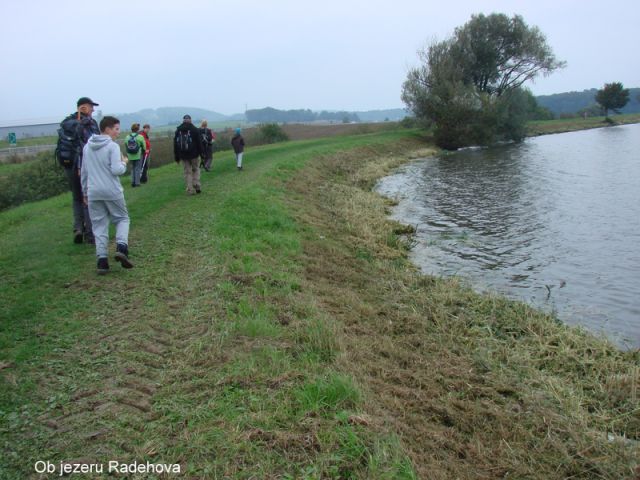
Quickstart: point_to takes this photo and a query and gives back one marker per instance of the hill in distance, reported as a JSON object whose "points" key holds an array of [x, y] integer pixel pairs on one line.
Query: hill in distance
{"points": [[559, 103], [173, 116]]}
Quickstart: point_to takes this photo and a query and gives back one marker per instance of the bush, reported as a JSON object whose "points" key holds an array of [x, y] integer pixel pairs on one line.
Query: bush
{"points": [[272, 133], [36, 180]]}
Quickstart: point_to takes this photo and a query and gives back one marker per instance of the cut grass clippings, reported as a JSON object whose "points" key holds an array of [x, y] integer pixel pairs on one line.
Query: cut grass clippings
{"points": [[273, 328]]}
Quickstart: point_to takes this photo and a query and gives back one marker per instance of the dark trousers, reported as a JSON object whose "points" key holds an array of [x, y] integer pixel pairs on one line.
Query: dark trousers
{"points": [[81, 219], [145, 168], [207, 161]]}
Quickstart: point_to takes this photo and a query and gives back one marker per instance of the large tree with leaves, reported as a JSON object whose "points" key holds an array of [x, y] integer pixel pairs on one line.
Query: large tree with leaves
{"points": [[471, 85], [612, 97]]}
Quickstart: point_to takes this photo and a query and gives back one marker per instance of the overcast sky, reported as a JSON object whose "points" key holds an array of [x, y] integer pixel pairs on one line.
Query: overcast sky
{"points": [[286, 54]]}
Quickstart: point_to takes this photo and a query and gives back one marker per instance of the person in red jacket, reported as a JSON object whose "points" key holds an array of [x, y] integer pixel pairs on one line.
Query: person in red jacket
{"points": [[146, 128]]}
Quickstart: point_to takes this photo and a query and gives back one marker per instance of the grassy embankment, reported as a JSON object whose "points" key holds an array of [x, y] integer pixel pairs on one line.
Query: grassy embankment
{"points": [[273, 327], [562, 125]]}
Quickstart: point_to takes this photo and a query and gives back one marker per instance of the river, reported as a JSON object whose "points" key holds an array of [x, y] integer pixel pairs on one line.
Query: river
{"points": [[554, 221]]}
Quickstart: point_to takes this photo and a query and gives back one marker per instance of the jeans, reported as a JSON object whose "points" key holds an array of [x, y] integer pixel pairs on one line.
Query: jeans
{"points": [[136, 171]]}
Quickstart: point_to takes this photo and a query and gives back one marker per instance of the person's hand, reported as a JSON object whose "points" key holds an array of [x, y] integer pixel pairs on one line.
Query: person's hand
{"points": [[125, 159], [85, 200]]}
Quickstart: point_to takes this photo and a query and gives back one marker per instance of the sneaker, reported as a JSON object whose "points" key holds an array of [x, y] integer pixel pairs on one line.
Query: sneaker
{"points": [[77, 236], [122, 255], [103, 265]]}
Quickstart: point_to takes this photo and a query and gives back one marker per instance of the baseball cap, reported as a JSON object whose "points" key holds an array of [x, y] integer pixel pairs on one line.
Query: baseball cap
{"points": [[84, 100]]}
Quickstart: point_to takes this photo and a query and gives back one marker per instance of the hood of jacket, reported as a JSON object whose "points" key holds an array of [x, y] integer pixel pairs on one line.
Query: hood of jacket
{"points": [[187, 126], [96, 142]]}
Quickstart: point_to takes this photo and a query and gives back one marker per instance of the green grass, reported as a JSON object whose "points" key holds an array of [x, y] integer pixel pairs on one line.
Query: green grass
{"points": [[208, 353]]}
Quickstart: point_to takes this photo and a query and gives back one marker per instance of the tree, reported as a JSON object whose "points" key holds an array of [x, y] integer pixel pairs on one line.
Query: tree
{"points": [[470, 85], [612, 97]]}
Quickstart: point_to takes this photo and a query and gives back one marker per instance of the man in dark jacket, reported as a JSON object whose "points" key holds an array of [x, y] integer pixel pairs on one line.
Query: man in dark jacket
{"points": [[77, 129], [187, 147]]}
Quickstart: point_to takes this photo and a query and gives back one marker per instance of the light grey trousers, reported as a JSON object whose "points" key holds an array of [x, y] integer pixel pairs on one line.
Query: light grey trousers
{"points": [[191, 173], [102, 212]]}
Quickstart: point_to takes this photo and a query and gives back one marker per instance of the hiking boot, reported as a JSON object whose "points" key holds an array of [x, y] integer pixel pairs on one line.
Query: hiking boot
{"points": [[240, 167], [198, 189], [103, 265], [77, 236], [122, 255]]}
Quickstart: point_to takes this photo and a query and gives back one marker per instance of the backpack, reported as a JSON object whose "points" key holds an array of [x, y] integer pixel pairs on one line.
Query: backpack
{"points": [[67, 146], [184, 141], [133, 146], [206, 136]]}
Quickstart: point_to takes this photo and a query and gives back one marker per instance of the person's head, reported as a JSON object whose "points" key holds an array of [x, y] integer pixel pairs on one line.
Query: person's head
{"points": [[203, 124], [238, 131], [85, 105], [186, 119], [135, 127], [110, 126], [146, 127]]}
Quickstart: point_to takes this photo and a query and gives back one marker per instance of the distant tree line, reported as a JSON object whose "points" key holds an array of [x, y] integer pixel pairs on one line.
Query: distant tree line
{"points": [[272, 115], [571, 104]]}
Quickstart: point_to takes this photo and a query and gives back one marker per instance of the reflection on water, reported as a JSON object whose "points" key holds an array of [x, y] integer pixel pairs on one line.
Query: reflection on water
{"points": [[554, 221]]}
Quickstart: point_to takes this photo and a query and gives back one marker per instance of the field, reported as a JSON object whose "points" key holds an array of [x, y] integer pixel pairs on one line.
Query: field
{"points": [[273, 328]]}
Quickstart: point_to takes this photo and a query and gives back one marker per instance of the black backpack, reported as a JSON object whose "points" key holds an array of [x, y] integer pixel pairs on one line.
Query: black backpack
{"points": [[206, 136], [68, 143], [184, 141], [133, 146]]}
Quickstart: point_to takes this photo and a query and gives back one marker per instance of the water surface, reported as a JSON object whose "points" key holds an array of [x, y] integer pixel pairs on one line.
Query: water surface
{"points": [[554, 221]]}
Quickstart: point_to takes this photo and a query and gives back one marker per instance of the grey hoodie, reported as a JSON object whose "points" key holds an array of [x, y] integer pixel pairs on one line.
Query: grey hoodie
{"points": [[101, 166]]}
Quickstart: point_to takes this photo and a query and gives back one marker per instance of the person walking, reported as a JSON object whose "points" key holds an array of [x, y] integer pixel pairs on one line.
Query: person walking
{"points": [[144, 177], [74, 132], [135, 147], [237, 142], [187, 147], [208, 137], [103, 194]]}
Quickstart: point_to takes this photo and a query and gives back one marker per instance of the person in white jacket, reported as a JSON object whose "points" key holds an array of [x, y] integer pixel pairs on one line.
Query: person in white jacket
{"points": [[102, 165]]}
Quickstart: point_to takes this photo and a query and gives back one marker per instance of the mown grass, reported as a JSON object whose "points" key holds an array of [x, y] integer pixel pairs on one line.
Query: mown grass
{"points": [[209, 353], [273, 328]]}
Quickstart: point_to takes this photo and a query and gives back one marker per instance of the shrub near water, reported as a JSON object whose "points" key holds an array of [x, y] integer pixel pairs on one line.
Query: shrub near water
{"points": [[36, 180]]}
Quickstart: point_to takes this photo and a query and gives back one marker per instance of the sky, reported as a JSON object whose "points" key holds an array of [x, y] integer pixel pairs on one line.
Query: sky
{"points": [[286, 54]]}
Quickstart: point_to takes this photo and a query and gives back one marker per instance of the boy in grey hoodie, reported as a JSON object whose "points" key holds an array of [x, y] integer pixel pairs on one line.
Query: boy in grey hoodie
{"points": [[102, 164]]}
